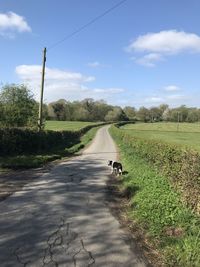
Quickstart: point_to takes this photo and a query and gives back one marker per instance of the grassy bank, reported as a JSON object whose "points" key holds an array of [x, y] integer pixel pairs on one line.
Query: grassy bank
{"points": [[186, 134], [171, 228], [33, 161]]}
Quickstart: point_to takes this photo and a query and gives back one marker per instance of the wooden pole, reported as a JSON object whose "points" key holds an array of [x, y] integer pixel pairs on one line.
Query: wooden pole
{"points": [[40, 119]]}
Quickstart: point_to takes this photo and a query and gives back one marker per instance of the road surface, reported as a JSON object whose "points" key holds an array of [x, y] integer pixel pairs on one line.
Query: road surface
{"points": [[62, 219]]}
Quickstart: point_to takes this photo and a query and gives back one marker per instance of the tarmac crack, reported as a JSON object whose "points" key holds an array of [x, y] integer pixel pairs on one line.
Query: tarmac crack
{"points": [[64, 243], [51, 243], [16, 253], [89, 253]]}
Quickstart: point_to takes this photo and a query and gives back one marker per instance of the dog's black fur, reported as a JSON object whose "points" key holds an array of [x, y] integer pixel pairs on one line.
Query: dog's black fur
{"points": [[116, 167]]}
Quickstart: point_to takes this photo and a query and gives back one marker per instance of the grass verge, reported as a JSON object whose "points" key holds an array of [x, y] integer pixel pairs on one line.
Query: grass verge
{"points": [[170, 227], [34, 161]]}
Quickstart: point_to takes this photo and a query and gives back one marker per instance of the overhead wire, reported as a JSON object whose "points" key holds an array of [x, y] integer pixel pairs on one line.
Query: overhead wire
{"points": [[67, 37]]}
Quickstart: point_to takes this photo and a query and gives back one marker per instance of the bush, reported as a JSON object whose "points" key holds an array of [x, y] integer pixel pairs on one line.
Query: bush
{"points": [[181, 165], [14, 141]]}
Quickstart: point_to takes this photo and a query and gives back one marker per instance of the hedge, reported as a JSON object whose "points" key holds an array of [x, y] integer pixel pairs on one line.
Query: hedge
{"points": [[15, 141], [181, 165]]}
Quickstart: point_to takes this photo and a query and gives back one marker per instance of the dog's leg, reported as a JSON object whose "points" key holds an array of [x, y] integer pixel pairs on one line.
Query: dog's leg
{"points": [[115, 171]]}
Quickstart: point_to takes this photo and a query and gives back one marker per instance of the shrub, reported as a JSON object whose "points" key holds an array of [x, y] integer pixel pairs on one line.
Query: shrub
{"points": [[14, 141]]}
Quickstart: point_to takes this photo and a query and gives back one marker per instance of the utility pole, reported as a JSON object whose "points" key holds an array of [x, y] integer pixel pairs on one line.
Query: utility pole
{"points": [[178, 120], [40, 119]]}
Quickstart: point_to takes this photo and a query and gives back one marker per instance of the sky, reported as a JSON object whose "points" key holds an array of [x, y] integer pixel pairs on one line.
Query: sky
{"points": [[143, 53]]}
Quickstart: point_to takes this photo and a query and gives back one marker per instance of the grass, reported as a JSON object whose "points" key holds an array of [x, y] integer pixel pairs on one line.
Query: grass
{"points": [[170, 228], [188, 134], [66, 125], [34, 161]]}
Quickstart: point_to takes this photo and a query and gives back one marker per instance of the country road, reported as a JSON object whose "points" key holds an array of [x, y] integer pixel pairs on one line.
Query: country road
{"points": [[62, 219]]}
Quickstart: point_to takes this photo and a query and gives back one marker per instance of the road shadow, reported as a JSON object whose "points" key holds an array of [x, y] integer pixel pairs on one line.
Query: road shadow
{"points": [[63, 218]]}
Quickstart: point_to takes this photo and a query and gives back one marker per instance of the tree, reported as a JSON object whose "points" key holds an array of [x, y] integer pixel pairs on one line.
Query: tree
{"points": [[18, 106], [144, 114], [81, 114], [156, 114], [193, 115], [117, 114], [130, 113], [59, 109], [166, 116]]}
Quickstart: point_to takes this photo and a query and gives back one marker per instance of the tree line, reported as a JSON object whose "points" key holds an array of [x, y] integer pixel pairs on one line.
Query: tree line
{"points": [[18, 108]]}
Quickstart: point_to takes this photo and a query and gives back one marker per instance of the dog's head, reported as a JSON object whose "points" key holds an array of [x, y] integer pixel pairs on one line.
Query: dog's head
{"points": [[110, 163]]}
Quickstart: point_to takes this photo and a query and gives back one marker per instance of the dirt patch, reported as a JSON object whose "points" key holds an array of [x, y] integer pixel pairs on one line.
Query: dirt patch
{"points": [[119, 204]]}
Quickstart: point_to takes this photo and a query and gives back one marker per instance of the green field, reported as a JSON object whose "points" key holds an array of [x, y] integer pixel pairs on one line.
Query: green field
{"points": [[186, 134], [66, 125]]}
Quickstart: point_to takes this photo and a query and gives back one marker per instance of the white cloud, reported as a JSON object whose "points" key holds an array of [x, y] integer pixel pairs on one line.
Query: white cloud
{"points": [[62, 84], [154, 99], [58, 83], [172, 88], [149, 60], [176, 97], [94, 64], [11, 22], [97, 64], [164, 43], [167, 42], [109, 90], [27, 72]]}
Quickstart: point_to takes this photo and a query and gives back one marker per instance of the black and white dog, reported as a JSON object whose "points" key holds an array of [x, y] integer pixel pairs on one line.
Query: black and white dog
{"points": [[116, 167]]}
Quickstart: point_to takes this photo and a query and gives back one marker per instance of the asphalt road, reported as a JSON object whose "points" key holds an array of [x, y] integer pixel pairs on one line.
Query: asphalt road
{"points": [[62, 219]]}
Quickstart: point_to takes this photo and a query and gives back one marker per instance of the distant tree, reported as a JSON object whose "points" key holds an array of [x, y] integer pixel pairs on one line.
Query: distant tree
{"points": [[59, 109], [51, 113], [163, 107], [88, 104], [45, 111], [193, 115], [81, 114], [18, 106], [144, 114], [117, 114], [155, 114], [130, 112], [166, 116], [100, 110], [183, 112]]}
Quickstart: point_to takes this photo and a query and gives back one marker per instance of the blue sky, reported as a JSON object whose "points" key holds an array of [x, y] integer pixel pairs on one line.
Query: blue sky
{"points": [[142, 53]]}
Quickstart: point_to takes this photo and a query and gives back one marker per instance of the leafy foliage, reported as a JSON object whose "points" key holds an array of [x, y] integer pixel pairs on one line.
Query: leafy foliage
{"points": [[17, 106], [39, 159], [15, 141]]}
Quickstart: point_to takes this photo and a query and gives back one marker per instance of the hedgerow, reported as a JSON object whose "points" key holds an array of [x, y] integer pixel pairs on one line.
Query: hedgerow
{"points": [[180, 164], [15, 141]]}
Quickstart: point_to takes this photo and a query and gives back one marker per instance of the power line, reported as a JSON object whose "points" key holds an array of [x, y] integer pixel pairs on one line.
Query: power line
{"points": [[87, 24]]}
